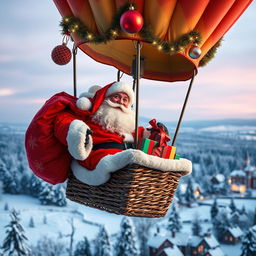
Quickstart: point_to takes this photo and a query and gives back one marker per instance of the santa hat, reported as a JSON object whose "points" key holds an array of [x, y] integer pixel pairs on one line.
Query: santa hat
{"points": [[91, 100]]}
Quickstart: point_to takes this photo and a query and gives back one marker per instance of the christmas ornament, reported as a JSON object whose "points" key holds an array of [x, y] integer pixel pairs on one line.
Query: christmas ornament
{"points": [[194, 52], [61, 54], [131, 21]]}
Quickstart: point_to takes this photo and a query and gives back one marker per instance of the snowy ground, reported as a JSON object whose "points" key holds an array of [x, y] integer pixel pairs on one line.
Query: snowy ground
{"points": [[87, 220]]}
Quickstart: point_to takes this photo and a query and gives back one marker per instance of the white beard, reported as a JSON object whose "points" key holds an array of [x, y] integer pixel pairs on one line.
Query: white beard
{"points": [[115, 118]]}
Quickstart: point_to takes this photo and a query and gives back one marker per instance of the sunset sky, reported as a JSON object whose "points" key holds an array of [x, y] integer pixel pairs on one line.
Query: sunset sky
{"points": [[224, 89]]}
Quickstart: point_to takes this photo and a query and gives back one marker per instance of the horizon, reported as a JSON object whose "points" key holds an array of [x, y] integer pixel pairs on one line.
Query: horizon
{"points": [[224, 89]]}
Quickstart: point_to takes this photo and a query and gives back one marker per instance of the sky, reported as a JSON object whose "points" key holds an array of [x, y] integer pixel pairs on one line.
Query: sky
{"points": [[224, 89]]}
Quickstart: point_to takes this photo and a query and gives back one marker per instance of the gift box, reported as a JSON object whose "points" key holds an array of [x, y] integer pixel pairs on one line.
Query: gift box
{"points": [[150, 147], [147, 145]]}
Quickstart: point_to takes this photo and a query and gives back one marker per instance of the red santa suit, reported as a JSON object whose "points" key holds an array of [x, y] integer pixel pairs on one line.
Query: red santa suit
{"points": [[58, 131]]}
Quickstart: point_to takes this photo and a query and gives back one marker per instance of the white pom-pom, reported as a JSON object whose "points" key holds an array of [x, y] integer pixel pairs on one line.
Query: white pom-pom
{"points": [[83, 103], [91, 91]]}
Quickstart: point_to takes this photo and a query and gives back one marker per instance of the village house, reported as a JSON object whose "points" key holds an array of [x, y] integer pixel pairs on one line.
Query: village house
{"points": [[232, 235], [184, 244], [245, 179], [218, 183]]}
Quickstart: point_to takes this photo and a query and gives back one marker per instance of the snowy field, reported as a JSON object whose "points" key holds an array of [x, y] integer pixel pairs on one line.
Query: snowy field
{"points": [[87, 220]]}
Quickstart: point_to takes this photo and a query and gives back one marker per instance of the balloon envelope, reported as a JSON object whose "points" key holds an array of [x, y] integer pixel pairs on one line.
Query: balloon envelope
{"points": [[169, 20]]}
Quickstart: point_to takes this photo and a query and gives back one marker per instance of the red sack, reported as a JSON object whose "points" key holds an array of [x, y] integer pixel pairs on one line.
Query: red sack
{"points": [[48, 158]]}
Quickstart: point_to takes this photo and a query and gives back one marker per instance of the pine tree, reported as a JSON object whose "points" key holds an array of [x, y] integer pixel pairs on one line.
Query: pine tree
{"points": [[15, 241], [35, 185], [44, 220], [189, 194], [25, 184], [60, 195], [126, 242], [174, 223], [31, 223], [196, 226], [143, 227], [243, 210], [221, 223], [249, 243], [214, 209], [254, 217], [232, 205], [103, 247], [47, 196], [83, 248], [6, 207]]}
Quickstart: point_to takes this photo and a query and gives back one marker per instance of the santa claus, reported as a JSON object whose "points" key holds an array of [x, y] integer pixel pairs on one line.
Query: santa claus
{"points": [[98, 131]]}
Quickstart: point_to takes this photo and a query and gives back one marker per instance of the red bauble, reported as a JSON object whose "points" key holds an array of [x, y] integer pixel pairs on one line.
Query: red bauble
{"points": [[131, 21], [61, 54]]}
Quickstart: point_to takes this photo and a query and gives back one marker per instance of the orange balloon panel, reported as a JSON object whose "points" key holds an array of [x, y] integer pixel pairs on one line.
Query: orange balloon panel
{"points": [[168, 19]]}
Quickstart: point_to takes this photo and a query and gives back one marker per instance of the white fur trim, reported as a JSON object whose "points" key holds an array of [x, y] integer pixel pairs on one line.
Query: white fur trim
{"points": [[128, 137], [83, 103], [91, 91], [76, 139], [112, 163], [121, 87]]}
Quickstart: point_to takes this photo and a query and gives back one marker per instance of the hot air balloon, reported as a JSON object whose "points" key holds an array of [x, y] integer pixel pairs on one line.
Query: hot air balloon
{"points": [[162, 40]]}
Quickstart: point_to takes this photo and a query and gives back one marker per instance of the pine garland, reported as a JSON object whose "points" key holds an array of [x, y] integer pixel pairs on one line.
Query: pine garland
{"points": [[71, 24], [210, 54]]}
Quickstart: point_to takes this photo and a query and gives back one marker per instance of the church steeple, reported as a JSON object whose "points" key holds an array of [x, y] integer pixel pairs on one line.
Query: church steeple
{"points": [[247, 160]]}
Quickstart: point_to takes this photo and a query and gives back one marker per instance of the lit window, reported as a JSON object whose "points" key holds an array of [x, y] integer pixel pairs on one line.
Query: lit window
{"points": [[200, 248]]}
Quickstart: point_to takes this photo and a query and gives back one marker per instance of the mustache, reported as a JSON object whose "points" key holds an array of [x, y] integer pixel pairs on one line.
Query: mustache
{"points": [[117, 105]]}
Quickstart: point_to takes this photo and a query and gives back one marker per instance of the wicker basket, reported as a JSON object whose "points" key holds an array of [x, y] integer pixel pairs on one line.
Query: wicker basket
{"points": [[134, 190]]}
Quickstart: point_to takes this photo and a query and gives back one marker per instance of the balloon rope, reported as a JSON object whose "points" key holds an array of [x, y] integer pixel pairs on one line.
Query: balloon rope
{"points": [[74, 69], [138, 47], [183, 109]]}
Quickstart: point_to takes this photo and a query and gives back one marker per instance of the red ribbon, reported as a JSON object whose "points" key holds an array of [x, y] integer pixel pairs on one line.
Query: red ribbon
{"points": [[164, 137]]}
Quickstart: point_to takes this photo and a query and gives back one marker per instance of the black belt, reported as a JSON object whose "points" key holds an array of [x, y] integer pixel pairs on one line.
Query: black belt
{"points": [[123, 146]]}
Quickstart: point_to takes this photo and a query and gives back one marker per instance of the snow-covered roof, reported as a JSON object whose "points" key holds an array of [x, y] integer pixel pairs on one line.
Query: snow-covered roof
{"points": [[195, 240], [156, 241], [235, 232], [220, 177], [180, 239], [249, 168], [173, 251], [237, 173], [211, 241], [216, 252]]}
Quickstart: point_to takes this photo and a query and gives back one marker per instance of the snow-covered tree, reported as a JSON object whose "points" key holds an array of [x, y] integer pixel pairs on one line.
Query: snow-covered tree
{"points": [[126, 242], [243, 210], [174, 223], [189, 195], [214, 209], [83, 248], [60, 195], [143, 226], [31, 222], [47, 195], [35, 185], [25, 184], [221, 223], [102, 243], [44, 220], [249, 243], [6, 207], [232, 205], [47, 247], [196, 226], [254, 217], [15, 242]]}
